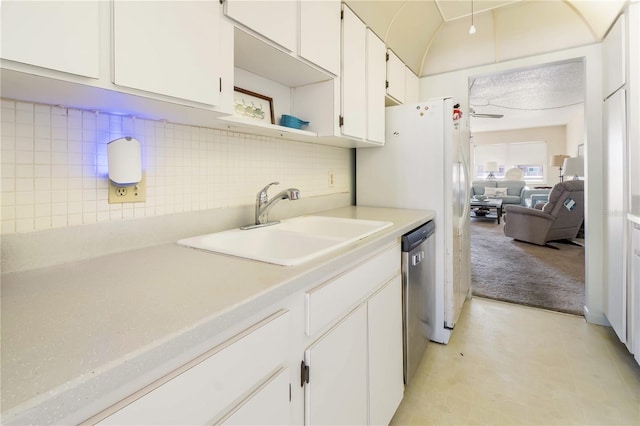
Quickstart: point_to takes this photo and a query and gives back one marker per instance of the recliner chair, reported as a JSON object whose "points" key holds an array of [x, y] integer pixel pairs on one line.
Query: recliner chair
{"points": [[558, 220]]}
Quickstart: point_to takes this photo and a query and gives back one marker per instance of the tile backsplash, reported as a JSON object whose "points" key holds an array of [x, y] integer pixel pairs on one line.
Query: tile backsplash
{"points": [[54, 167]]}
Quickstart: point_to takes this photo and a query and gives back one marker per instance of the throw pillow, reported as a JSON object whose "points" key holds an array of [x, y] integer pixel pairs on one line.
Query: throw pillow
{"points": [[495, 192]]}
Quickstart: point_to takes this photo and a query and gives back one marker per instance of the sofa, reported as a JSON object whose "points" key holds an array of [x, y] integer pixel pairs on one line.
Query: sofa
{"points": [[535, 196], [514, 190]]}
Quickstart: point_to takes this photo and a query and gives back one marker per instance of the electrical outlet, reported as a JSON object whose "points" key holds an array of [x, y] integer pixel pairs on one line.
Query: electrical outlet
{"points": [[332, 178], [128, 194]]}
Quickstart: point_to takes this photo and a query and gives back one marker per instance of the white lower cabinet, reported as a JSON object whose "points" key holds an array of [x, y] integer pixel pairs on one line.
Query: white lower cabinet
{"points": [[337, 389], [330, 354], [355, 368], [386, 385], [209, 387], [634, 294], [265, 406]]}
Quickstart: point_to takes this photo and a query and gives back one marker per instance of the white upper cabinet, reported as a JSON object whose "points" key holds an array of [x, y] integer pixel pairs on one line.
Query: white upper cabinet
{"points": [[61, 35], [613, 56], [376, 70], [412, 87], [395, 77], [354, 88], [275, 20], [320, 33], [168, 48]]}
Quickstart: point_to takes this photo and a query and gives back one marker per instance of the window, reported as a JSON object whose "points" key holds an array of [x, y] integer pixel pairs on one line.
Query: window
{"points": [[530, 157]]}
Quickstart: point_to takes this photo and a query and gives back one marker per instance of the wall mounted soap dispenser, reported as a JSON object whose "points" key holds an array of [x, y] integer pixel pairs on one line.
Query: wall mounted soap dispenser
{"points": [[126, 181]]}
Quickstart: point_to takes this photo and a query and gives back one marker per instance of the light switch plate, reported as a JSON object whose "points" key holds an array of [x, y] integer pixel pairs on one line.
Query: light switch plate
{"points": [[128, 194]]}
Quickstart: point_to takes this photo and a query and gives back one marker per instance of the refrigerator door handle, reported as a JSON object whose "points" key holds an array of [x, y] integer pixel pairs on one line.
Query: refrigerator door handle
{"points": [[467, 192]]}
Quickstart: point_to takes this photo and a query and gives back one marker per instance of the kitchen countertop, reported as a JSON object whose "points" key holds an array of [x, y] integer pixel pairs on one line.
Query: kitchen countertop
{"points": [[77, 337]]}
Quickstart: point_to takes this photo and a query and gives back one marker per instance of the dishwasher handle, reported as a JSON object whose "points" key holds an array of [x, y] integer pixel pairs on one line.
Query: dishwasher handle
{"points": [[417, 258]]}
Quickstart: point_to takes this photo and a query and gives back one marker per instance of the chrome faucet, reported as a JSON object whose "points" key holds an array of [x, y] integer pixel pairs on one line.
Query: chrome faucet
{"points": [[263, 204]]}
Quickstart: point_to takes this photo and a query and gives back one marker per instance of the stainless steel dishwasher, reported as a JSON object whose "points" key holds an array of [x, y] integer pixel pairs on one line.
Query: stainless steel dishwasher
{"points": [[418, 292]]}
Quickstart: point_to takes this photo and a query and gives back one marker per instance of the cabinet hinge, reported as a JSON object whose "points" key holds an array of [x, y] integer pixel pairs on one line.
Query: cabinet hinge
{"points": [[289, 392], [386, 56], [386, 84], [342, 14], [341, 121], [220, 84], [221, 1], [304, 374]]}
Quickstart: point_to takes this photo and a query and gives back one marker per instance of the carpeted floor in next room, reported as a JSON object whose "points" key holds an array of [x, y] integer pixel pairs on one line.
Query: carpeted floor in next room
{"points": [[526, 274]]}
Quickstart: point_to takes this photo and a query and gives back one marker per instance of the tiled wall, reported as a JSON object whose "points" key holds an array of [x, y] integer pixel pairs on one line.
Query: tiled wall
{"points": [[54, 167]]}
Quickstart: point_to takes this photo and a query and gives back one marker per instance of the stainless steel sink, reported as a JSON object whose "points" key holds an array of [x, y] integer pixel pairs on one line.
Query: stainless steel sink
{"points": [[291, 242]]}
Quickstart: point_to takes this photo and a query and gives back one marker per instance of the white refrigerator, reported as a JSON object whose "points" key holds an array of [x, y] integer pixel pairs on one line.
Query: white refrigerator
{"points": [[424, 165]]}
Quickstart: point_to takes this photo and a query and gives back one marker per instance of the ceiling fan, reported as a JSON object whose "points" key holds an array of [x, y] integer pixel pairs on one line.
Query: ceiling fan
{"points": [[473, 113]]}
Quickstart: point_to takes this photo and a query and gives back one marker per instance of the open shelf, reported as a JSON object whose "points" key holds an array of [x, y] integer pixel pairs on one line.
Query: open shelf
{"points": [[240, 124]]}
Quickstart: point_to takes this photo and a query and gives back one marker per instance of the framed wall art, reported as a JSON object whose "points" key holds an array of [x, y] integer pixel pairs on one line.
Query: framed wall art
{"points": [[253, 105]]}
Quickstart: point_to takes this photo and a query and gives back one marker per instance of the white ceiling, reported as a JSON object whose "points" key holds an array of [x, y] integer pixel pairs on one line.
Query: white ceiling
{"points": [[532, 97], [431, 36]]}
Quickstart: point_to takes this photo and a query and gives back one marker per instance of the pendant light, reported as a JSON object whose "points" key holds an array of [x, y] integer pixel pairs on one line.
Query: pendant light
{"points": [[472, 29]]}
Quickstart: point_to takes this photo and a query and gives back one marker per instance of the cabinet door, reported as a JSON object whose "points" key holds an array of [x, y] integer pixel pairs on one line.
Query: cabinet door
{"points": [[615, 211], [412, 87], [395, 77], [320, 33], [203, 389], [60, 35], [169, 48], [613, 54], [337, 388], [386, 384], [273, 19], [268, 405], [376, 70], [634, 294], [354, 100]]}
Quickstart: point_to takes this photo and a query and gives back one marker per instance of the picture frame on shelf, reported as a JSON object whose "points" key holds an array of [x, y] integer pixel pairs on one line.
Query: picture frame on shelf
{"points": [[253, 105]]}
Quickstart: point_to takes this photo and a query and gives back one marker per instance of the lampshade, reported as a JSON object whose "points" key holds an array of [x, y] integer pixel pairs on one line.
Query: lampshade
{"points": [[491, 166], [573, 166], [557, 160]]}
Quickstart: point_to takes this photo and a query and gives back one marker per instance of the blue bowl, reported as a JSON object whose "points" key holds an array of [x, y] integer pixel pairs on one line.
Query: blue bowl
{"points": [[293, 122]]}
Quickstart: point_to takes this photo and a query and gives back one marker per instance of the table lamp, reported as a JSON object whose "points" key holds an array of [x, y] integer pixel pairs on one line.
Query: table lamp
{"points": [[491, 166], [558, 161], [574, 166]]}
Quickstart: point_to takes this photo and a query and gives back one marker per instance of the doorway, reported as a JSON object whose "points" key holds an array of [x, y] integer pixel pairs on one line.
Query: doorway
{"points": [[542, 105]]}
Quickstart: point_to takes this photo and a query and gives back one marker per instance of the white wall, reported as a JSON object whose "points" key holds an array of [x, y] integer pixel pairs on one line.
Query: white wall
{"points": [[456, 84], [54, 167], [575, 134]]}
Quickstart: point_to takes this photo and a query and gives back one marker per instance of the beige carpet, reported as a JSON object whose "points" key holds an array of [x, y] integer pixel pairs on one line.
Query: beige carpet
{"points": [[526, 274]]}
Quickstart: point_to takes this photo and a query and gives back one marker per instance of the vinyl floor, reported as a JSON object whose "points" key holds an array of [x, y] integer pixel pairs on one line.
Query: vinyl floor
{"points": [[509, 364]]}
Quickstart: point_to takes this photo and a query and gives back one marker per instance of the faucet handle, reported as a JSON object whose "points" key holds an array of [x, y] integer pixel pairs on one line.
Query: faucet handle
{"points": [[264, 190]]}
